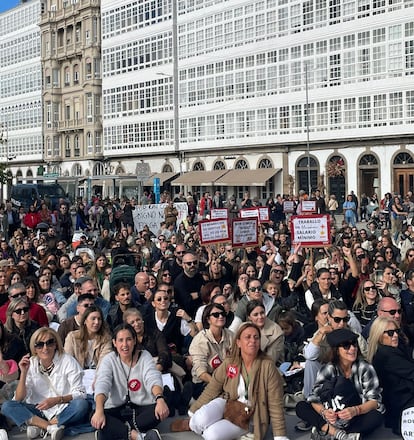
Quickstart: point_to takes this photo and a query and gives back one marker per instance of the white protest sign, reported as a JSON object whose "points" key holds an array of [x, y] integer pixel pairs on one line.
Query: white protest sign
{"points": [[244, 232], [152, 215], [219, 213], [249, 213], [310, 230], [214, 231], [407, 424]]}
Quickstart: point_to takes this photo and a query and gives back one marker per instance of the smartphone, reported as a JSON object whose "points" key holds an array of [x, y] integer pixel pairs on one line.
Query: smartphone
{"points": [[378, 276]]}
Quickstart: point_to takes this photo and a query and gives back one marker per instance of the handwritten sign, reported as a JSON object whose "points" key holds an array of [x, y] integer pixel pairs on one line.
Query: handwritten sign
{"points": [[310, 230], [214, 231], [244, 232], [288, 206], [261, 212], [152, 215], [407, 428], [219, 213], [308, 206]]}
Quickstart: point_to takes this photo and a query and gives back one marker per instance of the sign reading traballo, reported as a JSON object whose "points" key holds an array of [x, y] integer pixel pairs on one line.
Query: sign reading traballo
{"points": [[310, 230]]}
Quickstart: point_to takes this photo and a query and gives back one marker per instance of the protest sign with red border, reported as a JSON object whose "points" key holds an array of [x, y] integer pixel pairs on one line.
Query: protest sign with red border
{"points": [[311, 230]]}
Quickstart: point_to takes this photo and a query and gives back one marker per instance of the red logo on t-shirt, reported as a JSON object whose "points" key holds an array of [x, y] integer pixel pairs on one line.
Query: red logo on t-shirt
{"points": [[134, 384], [232, 371], [216, 362]]}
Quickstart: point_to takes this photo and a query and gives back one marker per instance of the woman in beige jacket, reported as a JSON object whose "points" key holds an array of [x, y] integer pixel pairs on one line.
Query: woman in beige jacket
{"points": [[92, 341]]}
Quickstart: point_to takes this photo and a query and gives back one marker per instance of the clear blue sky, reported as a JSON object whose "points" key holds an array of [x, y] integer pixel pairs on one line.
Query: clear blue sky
{"points": [[8, 4]]}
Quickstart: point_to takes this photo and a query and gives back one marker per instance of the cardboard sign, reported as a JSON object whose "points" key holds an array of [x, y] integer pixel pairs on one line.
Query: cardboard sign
{"points": [[261, 212], [407, 428], [308, 206], [152, 215], [219, 213], [310, 230], [288, 206], [213, 231], [244, 232]]}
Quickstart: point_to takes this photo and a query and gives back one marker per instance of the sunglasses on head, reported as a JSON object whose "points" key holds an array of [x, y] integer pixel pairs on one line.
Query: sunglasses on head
{"points": [[391, 332], [18, 295], [338, 319], [48, 343], [392, 312], [22, 310], [218, 314], [347, 344]]}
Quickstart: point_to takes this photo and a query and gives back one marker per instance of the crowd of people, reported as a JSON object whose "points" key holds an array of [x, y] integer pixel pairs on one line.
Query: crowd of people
{"points": [[143, 325]]}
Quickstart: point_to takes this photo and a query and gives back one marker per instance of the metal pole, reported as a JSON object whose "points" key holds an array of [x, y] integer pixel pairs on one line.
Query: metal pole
{"points": [[176, 102], [307, 129]]}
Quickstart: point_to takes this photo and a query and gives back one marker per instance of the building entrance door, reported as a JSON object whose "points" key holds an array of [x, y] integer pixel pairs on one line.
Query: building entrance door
{"points": [[403, 181]]}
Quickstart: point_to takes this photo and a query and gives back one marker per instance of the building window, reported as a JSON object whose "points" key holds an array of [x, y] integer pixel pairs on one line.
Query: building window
{"points": [[76, 146], [198, 166], [67, 146], [241, 165], [219, 165]]}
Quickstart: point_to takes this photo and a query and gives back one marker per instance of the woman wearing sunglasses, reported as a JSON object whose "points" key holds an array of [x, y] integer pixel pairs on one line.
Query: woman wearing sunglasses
{"points": [[18, 321], [50, 395], [209, 347], [366, 301], [345, 402], [395, 368]]}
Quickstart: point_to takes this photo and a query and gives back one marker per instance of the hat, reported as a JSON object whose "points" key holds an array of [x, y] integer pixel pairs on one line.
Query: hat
{"points": [[339, 336]]}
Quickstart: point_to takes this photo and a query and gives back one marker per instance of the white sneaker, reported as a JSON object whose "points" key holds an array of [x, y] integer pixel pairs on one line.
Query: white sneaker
{"points": [[56, 432], [3, 435], [33, 432]]}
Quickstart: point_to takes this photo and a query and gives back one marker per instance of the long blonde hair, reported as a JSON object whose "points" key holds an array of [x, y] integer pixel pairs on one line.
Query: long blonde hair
{"points": [[376, 333]]}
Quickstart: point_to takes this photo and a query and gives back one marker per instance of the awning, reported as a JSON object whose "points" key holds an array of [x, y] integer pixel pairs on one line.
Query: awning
{"points": [[247, 177], [199, 178], [164, 178]]}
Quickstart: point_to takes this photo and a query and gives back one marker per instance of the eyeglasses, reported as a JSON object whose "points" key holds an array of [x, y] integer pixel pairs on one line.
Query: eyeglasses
{"points": [[21, 311], [161, 239], [347, 345], [338, 319], [18, 295], [218, 314], [279, 272], [268, 254], [255, 289], [48, 343], [392, 312], [229, 251], [166, 274], [191, 263], [179, 252], [391, 332], [368, 288], [163, 298]]}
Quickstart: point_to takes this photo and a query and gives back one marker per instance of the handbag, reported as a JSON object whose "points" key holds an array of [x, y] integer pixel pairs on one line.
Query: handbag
{"points": [[238, 413]]}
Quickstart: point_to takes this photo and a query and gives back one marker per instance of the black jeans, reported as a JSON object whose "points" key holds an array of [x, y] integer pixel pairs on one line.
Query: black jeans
{"points": [[115, 427], [364, 424]]}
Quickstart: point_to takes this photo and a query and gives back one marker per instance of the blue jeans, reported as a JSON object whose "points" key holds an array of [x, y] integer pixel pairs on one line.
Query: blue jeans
{"points": [[20, 412]]}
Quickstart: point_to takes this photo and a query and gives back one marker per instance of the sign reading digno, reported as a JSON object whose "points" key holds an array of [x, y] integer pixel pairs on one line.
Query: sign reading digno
{"points": [[153, 215], [310, 230]]}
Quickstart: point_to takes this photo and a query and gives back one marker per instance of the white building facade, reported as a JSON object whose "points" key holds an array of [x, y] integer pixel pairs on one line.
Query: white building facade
{"points": [[246, 72], [21, 146]]}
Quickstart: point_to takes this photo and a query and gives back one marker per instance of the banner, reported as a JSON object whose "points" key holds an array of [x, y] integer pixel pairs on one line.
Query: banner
{"points": [[310, 230], [152, 215], [214, 231]]}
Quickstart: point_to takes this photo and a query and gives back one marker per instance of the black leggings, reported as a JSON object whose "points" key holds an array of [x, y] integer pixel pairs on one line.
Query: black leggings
{"points": [[364, 424], [115, 427]]}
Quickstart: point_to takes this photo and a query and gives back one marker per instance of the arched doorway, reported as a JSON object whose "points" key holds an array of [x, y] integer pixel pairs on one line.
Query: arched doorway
{"points": [[368, 171], [302, 177], [335, 170], [403, 173]]}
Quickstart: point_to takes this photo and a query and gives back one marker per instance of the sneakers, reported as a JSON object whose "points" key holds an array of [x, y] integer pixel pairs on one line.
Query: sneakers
{"points": [[3, 435], [316, 435], [56, 432], [33, 432], [152, 434], [342, 435], [303, 426]]}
